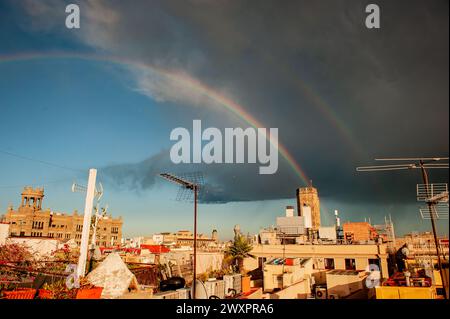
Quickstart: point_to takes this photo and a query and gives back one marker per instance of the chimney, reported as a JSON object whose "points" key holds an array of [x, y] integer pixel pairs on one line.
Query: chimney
{"points": [[289, 211]]}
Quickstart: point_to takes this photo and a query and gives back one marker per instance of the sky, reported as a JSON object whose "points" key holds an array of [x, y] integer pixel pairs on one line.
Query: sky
{"points": [[107, 96]]}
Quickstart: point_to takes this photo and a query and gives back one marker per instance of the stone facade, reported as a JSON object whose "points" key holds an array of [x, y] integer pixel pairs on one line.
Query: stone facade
{"points": [[360, 231], [30, 220], [310, 197]]}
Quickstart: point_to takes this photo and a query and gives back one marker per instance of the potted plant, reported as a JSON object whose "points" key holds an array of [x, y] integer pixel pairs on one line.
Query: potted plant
{"points": [[46, 292], [20, 293], [245, 282], [239, 250], [56, 290], [88, 291]]}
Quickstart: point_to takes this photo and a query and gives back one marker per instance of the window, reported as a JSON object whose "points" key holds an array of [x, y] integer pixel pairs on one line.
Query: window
{"points": [[22, 233], [350, 264], [38, 225], [374, 262], [329, 263]]}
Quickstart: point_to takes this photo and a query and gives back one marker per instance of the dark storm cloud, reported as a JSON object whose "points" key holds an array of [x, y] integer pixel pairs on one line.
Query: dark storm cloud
{"points": [[241, 182], [339, 93], [223, 182]]}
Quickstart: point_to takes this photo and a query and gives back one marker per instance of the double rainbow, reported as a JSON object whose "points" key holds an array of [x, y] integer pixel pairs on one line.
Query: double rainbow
{"points": [[182, 79]]}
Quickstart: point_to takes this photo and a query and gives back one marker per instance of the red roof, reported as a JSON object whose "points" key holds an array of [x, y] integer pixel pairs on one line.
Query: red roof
{"points": [[131, 250], [156, 249]]}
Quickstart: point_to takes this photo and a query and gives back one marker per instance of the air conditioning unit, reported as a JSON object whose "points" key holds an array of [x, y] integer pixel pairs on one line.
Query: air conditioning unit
{"points": [[171, 294], [232, 282], [215, 288], [333, 296], [321, 293], [184, 293]]}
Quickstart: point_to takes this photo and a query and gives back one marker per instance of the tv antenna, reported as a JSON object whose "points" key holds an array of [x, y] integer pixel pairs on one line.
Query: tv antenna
{"points": [[98, 216], [98, 190], [424, 191], [190, 184], [437, 196]]}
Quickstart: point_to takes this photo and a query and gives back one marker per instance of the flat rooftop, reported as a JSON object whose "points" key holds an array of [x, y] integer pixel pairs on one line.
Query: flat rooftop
{"points": [[344, 272]]}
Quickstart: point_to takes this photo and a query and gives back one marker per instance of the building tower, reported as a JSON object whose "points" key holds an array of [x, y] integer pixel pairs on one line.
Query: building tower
{"points": [[237, 231], [308, 196], [32, 197], [215, 236]]}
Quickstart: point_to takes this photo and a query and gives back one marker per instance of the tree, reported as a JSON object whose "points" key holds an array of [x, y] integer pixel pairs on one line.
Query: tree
{"points": [[15, 253], [239, 250]]}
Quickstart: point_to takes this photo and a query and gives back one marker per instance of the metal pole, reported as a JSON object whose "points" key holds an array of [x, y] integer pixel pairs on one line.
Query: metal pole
{"points": [[284, 252], [430, 209], [81, 268], [195, 240]]}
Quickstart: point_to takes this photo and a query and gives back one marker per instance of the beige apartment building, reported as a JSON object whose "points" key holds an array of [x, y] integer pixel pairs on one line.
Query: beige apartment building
{"points": [[324, 257], [422, 244], [30, 220], [186, 238]]}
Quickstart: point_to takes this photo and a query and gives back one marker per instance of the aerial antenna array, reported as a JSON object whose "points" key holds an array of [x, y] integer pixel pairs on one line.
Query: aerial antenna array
{"points": [[190, 184], [434, 195]]}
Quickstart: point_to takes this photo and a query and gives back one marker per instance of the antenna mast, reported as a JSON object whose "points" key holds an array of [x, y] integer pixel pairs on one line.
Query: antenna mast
{"points": [[421, 163], [191, 183]]}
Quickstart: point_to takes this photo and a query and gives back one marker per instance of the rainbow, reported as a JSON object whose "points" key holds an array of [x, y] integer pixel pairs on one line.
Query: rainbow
{"points": [[321, 105], [183, 79]]}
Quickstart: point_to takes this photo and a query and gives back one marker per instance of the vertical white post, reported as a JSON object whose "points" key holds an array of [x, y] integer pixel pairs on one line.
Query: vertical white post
{"points": [[81, 268]]}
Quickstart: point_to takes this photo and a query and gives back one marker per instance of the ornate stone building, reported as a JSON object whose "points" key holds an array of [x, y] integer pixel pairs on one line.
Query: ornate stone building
{"points": [[30, 220]]}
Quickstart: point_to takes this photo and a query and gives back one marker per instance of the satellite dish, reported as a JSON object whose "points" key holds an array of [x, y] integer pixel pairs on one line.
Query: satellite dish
{"points": [[200, 290]]}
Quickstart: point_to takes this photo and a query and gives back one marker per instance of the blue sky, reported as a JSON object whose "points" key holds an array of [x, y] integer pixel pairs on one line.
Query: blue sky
{"points": [[84, 113]]}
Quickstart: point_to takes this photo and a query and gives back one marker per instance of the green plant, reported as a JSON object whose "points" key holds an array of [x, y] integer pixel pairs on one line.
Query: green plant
{"points": [[239, 250], [59, 290]]}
